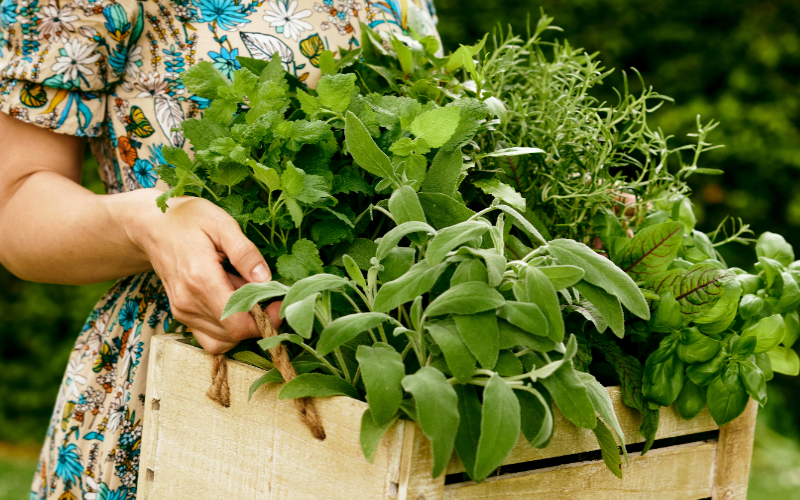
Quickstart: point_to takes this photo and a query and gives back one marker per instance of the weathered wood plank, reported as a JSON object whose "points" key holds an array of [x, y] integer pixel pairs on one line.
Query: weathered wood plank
{"points": [[255, 450], [568, 439], [734, 453], [416, 465], [680, 472]]}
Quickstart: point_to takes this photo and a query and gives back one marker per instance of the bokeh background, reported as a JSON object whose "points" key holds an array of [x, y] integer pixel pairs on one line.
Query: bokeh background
{"points": [[735, 61]]}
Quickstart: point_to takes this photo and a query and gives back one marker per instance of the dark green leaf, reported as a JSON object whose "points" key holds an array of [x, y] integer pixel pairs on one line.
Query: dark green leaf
{"points": [[500, 426], [727, 397], [652, 250], [481, 335], [442, 210], [691, 400], [469, 426], [382, 370], [346, 328], [417, 281], [607, 305], [537, 417], [608, 447], [364, 150], [444, 173], [769, 332], [570, 395], [459, 359], [371, 434]]}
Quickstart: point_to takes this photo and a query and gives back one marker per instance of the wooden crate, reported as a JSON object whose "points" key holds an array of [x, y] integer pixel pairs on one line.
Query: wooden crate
{"points": [[194, 449]]}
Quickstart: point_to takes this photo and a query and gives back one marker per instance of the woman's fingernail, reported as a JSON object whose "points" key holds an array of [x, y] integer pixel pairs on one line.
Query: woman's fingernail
{"points": [[261, 273]]}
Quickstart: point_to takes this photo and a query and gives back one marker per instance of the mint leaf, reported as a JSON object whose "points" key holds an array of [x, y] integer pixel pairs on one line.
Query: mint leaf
{"points": [[302, 262], [436, 126], [205, 80], [336, 91]]}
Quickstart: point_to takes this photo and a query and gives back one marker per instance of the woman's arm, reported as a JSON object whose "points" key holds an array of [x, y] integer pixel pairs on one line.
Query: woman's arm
{"points": [[53, 230]]}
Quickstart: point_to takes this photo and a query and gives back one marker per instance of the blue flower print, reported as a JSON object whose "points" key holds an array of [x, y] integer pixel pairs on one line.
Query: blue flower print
{"points": [[156, 156], [226, 13], [9, 13], [69, 467], [145, 175], [120, 493], [225, 61], [127, 316]]}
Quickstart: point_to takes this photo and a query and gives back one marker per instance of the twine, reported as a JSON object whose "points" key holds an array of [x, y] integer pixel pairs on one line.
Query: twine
{"points": [[220, 392]]}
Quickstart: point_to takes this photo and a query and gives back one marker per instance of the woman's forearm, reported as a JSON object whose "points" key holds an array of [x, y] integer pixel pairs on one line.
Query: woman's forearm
{"points": [[54, 230]]}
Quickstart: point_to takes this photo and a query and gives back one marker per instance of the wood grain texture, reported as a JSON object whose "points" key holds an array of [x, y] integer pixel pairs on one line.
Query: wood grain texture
{"points": [[678, 472], [416, 464], [734, 453], [568, 439], [255, 450]]}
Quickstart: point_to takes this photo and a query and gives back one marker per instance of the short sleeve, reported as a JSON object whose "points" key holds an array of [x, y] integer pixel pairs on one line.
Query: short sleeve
{"points": [[58, 63]]}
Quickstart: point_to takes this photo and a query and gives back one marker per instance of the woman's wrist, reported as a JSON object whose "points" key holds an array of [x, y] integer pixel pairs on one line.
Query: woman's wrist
{"points": [[137, 214]]}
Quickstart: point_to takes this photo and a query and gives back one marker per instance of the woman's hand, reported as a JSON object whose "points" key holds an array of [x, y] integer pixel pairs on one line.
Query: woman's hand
{"points": [[186, 246]]}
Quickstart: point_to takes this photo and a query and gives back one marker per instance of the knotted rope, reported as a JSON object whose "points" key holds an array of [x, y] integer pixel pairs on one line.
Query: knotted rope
{"points": [[220, 392]]}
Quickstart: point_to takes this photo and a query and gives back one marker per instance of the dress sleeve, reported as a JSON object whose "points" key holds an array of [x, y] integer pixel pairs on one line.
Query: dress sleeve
{"points": [[57, 63]]}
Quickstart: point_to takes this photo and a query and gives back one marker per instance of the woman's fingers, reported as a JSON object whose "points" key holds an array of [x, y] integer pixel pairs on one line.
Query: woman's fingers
{"points": [[242, 253]]}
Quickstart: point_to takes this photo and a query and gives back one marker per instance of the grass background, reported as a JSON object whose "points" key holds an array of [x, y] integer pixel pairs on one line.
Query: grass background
{"points": [[732, 60]]}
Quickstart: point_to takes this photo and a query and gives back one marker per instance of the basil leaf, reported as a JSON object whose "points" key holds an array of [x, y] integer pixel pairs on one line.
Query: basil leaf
{"points": [[602, 273], [694, 347], [251, 294], [345, 328], [459, 359], [540, 291], [317, 385], [754, 380], [481, 335], [663, 374], [371, 434], [437, 412], [500, 426], [702, 373], [383, 370], [769, 332], [775, 247], [784, 361], [691, 400], [727, 397]]}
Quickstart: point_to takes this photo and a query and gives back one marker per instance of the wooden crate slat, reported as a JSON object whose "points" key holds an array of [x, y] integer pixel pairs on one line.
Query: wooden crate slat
{"points": [[202, 449], [679, 472], [734, 453], [568, 439]]}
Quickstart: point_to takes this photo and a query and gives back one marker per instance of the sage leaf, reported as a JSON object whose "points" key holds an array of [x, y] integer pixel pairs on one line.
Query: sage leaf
{"points": [[571, 397], [436, 126], [417, 281], [536, 417], [466, 298], [495, 263], [526, 316], [601, 401], [469, 426], [436, 411], [607, 305], [470, 270], [444, 173], [449, 238], [602, 273], [345, 328], [397, 263], [363, 149], [317, 385], [540, 291], [562, 277], [251, 294], [383, 370], [460, 361], [512, 336], [300, 315], [270, 343], [309, 286], [371, 434], [393, 237], [500, 426], [508, 365], [405, 207], [443, 211], [481, 335]]}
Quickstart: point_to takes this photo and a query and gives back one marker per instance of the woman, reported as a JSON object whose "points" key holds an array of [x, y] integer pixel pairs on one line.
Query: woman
{"points": [[111, 71]]}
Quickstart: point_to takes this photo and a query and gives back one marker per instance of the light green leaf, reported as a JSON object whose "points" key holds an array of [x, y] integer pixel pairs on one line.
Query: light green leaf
{"points": [[405, 207], [500, 426], [481, 334], [317, 385], [469, 426], [570, 396], [562, 277], [444, 173], [335, 91], [495, 263], [784, 360], [300, 315], [393, 237], [371, 434], [436, 126], [769, 332], [466, 298], [459, 359], [417, 281], [270, 343], [775, 247], [251, 294], [512, 152], [345, 328], [606, 304], [503, 192], [526, 316], [602, 273], [451, 237], [470, 270], [540, 291], [601, 401], [310, 286], [437, 412], [365, 152], [608, 448], [383, 370]]}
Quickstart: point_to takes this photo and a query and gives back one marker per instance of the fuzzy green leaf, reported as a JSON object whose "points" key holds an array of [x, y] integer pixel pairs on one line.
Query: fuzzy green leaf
{"points": [[346, 328], [317, 385], [383, 370], [251, 294]]}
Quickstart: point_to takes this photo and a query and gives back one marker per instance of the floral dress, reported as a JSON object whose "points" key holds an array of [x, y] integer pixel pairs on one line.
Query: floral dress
{"points": [[111, 70]]}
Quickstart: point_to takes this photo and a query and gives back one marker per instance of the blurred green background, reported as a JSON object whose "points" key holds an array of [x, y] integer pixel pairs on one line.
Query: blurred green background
{"points": [[731, 60]]}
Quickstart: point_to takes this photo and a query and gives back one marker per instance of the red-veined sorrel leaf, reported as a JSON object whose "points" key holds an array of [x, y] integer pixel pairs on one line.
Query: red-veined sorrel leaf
{"points": [[652, 250], [696, 289]]}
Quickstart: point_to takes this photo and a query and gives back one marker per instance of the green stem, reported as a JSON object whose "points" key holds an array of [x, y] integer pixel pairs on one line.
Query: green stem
{"points": [[340, 359]]}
